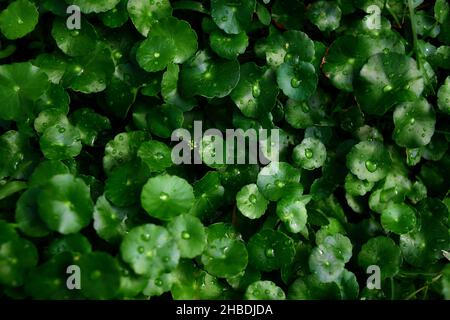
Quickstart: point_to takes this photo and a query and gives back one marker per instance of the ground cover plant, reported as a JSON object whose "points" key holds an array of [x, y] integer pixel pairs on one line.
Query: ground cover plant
{"points": [[93, 93]]}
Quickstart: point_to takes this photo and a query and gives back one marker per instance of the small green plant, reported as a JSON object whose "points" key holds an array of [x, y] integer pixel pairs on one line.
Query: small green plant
{"points": [[349, 196]]}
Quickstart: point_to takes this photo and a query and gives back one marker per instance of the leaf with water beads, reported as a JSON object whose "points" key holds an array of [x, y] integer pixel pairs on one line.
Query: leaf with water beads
{"points": [[146, 13], [328, 259], [156, 155], [156, 286], [325, 15], [386, 80], [414, 124], [270, 250], [349, 53], [228, 46], [189, 233], [77, 42], [116, 17], [250, 202], [444, 96], [165, 197], [169, 41], [233, 16], [209, 194], [381, 252], [50, 117], [298, 81], [150, 250], [356, 187], [100, 275], [398, 218], [276, 178], [171, 92], [256, 92], [291, 209], [264, 290], [310, 154], [122, 149], [311, 288], [369, 160], [18, 19], [27, 214], [74, 244], [90, 6], [209, 77], [60, 142], [225, 255], [90, 124]]}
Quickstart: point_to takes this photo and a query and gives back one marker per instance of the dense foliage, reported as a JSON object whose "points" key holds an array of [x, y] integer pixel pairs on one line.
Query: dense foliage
{"points": [[358, 88]]}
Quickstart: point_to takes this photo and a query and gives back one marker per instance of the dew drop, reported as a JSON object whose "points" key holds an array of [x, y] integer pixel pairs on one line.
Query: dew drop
{"points": [[371, 166], [158, 282], [252, 199], [185, 235], [145, 237], [295, 83], [141, 249], [156, 54], [61, 130], [158, 156], [412, 121], [387, 88], [270, 253], [308, 153], [279, 184], [256, 90], [163, 196]]}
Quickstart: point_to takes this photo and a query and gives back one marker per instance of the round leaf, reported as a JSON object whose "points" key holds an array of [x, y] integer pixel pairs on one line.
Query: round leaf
{"points": [[264, 290], [233, 16], [65, 204], [190, 235], [277, 178], [414, 124], [250, 202], [310, 154], [18, 19], [398, 218], [150, 250], [165, 197], [298, 81], [369, 160]]}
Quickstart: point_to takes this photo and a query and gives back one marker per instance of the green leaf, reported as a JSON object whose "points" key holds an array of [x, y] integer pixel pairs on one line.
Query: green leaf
{"points": [[291, 209], [89, 6], [386, 80], [156, 155], [310, 154], [124, 184], [190, 235], [311, 288], [90, 124], [17, 256], [19, 84], [228, 46], [50, 117], [298, 81], [250, 202], [116, 17], [444, 96], [150, 250], [277, 178], [122, 149], [18, 19], [209, 194], [269, 250], [414, 124], [264, 290], [381, 252], [169, 41], [110, 222], [60, 142], [356, 187], [326, 15], [225, 255], [100, 275], [328, 259], [27, 214], [165, 197], [369, 160], [233, 16], [256, 92], [72, 243], [170, 91], [65, 204], [398, 218], [163, 120], [349, 53], [77, 42], [146, 13], [209, 77]]}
